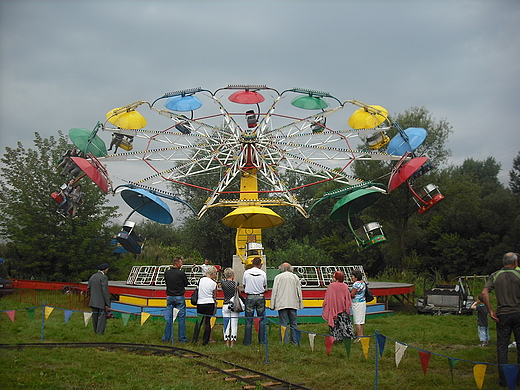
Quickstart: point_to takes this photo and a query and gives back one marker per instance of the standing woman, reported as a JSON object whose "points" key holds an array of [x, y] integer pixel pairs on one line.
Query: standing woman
{"points": [[229, 287], [336, 308], [206, 304], [359, 304]]}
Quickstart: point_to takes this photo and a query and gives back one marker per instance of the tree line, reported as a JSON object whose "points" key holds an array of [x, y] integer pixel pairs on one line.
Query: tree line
{"points": [[464, 234]]}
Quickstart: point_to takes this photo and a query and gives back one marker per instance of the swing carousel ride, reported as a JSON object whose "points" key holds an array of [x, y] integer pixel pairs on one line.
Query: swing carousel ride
{"points": [[249, 137]]}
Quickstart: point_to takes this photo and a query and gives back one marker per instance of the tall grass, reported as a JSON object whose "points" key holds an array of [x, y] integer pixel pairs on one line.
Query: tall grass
{"points": [[62, 368]]}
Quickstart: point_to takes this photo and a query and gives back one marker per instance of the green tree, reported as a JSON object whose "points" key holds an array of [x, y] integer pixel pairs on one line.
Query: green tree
{"points": [[39, 243], [514, 175]]}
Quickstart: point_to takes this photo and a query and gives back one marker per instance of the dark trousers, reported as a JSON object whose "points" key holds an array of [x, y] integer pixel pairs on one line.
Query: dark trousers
{"points": [[207, 310], [99, 319], [507, 324]]}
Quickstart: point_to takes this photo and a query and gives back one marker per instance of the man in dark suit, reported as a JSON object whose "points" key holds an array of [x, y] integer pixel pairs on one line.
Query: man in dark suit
{"points": [[99, 298]]}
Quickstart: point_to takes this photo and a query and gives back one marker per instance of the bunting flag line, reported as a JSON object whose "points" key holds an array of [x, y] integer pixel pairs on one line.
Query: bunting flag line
{"points": [[30, 313], [10, 314], [67, 313], [348, 344], [329, 341], [144, 317], [399, 352], [479, 372], [381, 341], [48, 311], [125, 317], [511, 372], [86, 317], [311, 340], [425, 360], [365, 343]]}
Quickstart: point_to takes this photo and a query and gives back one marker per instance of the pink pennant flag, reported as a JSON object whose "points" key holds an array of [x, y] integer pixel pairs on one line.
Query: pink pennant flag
{"points": [[257, 324], [329, 341], [11, 313], [425, 360]]}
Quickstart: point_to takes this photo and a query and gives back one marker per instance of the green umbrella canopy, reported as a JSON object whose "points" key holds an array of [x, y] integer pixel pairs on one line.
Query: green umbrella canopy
{"points": [[354, 202], [87, 141]]}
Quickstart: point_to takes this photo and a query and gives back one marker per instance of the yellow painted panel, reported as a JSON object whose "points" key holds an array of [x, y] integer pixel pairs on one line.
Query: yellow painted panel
{"points": [[133, 300], [157, 302]]}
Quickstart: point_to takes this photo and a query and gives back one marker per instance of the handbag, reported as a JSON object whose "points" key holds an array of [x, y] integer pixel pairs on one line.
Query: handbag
{"points": [[369, 297], [237, 305], [195, 297]]}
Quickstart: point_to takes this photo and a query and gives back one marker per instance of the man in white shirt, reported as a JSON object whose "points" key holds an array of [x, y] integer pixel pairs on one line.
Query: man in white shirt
{"points": [[286, 297], [255, 283]]}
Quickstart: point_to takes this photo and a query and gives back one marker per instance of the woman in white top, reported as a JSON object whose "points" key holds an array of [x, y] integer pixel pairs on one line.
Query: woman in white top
{"points": [[206, 304], [229, 287]]}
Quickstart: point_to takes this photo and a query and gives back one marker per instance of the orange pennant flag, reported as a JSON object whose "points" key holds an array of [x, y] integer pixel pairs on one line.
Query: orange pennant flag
{"points": [[144, 317], [329, 340], [425, 360], [479, 372], [365, 343], [48, 311], [10, 313]]}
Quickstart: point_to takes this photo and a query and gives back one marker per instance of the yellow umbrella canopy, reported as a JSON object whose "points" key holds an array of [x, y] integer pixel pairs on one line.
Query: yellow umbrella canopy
{"points": [[130, 120], [366, 118], [252, 217]]}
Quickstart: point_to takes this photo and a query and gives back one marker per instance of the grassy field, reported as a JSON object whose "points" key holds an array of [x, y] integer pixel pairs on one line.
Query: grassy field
{"points": [[88, 368]]}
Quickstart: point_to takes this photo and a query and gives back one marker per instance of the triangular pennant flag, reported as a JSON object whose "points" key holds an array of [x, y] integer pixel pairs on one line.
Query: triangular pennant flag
{"points": [[311, 340], [283, 330], [30, 313], [399, 352], [125, 317], [329, 341], [425, 360], [365, 343], [479, 372], [11, 314], [511, 371], [348, 344], [212, 321], [257, 324], [167, 314], [451, 363], [86, 317], [298, 336], [68, 313], [381, 341], [175, 312], [48, 311], [144, 317]]}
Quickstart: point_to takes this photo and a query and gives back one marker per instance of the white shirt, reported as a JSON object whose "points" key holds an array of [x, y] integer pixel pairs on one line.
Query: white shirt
{"points": [[255, 281], [206, 288]]}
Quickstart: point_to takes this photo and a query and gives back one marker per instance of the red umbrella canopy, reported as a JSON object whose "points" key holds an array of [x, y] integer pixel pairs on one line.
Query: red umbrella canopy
{"points": [[92, 172], [404, 173], [246, 97]]}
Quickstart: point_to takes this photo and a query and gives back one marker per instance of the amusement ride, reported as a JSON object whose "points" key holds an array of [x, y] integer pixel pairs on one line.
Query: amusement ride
{"points": [[250, 136]]}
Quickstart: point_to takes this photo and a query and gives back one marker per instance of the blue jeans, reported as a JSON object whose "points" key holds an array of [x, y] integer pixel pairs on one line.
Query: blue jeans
{"points": [[507, 324], [254, 302], [177, 302], [483, 333], [288, 316]]}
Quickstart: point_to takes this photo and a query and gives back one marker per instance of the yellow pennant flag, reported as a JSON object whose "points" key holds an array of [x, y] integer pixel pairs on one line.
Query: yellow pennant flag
{"points": [[283, 329], [479, 372], [365, 342], [311, 340], [48, 311], [212, 321], [144, 317], [86, 317]]}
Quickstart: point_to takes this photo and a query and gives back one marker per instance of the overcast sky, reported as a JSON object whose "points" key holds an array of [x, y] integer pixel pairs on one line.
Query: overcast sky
{"points": [[64, 64]]}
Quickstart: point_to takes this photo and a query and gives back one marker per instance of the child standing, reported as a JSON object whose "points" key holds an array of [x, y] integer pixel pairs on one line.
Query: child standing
{"points": [[482, 321]]}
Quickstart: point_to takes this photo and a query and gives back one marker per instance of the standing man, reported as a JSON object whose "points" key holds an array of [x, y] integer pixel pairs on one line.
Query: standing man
{"points": [[255, 283], [176, 283], [286, 297], [506, 283], [99, 298]]}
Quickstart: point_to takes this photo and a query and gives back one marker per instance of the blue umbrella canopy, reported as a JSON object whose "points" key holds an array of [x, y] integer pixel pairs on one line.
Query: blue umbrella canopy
{"points": [[183, 103], [399, 146], [147, 204]]}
